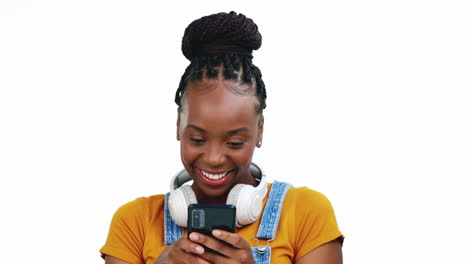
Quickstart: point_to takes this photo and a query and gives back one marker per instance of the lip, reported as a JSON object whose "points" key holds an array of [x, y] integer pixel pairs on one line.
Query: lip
{"points": [[211, 182]]}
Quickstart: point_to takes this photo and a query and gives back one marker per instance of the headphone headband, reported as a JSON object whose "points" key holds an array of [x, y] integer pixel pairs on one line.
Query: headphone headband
{"points": [[179, 179]]}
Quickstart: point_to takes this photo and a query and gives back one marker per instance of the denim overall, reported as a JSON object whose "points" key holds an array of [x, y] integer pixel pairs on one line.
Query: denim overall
{"points": [[266, 232]]}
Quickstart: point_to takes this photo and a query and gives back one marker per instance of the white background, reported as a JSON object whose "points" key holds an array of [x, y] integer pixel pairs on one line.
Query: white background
{"points": [[367, 103]]}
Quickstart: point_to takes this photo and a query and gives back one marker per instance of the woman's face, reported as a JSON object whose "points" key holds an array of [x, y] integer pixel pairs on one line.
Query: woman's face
{"points": [[218, 131]]}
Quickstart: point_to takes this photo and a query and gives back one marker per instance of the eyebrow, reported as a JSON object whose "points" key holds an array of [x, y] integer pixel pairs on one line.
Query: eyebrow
{"points": [[230, 132]]}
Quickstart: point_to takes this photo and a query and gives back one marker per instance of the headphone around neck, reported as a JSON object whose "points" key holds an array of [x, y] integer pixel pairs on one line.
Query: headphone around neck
{"points": [[246, 198]]}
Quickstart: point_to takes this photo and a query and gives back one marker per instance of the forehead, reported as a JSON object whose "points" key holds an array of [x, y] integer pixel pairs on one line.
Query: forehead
{"points": [[215, 103]]}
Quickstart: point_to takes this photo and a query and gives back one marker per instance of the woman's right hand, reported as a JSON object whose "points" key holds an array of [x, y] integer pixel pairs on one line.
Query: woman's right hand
{"points": [[183, 251]]}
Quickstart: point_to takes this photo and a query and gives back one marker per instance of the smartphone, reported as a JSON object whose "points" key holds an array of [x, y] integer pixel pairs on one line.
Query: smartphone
{"points": [[204, 218]]}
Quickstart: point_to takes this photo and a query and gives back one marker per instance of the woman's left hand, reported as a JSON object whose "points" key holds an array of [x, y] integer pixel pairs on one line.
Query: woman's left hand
{"points": [[237, 249]]}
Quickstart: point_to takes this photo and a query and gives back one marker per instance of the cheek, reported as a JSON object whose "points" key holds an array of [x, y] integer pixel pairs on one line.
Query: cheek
{"points": [[188, 153], [242, 157]]}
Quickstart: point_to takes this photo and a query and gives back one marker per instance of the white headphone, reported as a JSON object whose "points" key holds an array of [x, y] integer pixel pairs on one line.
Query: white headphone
{"points": [[246, 198]]}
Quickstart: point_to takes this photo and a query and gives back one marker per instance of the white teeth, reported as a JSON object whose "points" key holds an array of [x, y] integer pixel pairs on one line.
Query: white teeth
{"points": [[214, 176]]}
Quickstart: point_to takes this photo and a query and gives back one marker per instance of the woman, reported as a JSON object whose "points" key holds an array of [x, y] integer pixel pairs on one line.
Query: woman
{"points": [[220, 101]]}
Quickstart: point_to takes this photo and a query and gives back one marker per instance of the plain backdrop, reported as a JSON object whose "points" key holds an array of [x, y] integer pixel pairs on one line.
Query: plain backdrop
{"points": [[367, 103]]}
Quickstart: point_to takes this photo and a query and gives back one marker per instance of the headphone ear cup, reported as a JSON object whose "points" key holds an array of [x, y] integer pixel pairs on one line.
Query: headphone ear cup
{"points": [[233, 194], [179, 200], [248, 203], [232, 199]]}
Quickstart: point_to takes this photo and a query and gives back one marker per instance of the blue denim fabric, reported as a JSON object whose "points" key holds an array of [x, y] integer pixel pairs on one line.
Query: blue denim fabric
{"points": [[268, 225], [172, 232], [270, 220], [261, 258], [272, 211]]}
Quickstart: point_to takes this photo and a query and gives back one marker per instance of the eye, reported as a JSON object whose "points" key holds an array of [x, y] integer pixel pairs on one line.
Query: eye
{"points": [[235, 144], [197, 140]]}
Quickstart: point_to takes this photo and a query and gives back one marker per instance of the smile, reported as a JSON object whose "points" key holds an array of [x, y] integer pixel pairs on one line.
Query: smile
{"points": [[214, 176], [214, 179]]}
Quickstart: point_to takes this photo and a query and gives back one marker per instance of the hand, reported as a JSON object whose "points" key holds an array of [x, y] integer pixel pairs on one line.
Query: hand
{"points": [[183, 251], [236, 251]]}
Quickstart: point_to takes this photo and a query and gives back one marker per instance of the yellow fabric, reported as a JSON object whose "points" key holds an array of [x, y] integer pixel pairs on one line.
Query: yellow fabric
{"points": [[136, 233]]}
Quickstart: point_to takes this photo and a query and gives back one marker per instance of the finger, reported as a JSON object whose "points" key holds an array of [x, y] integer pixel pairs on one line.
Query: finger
{"points": [[232, 238], [189, 246], [182, 252], [197, 259], [212, 257], [212, 243]]}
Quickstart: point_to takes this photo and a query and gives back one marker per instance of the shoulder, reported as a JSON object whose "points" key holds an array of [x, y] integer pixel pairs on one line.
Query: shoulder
{"points": [[129, 227], [141, 207], [306, 196], [307, 203], [312, 220]]}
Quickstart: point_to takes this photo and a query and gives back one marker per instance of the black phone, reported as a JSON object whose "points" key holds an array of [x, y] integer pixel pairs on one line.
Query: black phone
{"points": [[204, 218]]}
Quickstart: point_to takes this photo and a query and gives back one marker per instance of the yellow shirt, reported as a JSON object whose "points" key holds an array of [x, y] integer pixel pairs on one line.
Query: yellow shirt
{"points": [[307, 221]]}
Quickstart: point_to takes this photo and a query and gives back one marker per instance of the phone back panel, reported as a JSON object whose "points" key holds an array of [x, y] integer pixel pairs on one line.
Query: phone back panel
{"points": [[214, 217]]}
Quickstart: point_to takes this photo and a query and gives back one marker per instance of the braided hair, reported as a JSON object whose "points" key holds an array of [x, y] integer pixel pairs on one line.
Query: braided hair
{"points": [[224, 43]]}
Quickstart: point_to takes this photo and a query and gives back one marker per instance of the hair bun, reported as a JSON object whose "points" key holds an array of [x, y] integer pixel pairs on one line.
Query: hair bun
{"points": [[219, 34]]}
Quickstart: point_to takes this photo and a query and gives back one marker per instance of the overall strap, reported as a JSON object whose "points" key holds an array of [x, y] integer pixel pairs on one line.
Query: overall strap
{"points": [[272, 212], [172, 232]]}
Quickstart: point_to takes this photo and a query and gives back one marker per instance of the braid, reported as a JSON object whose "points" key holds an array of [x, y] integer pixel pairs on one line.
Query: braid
{"points": [[211, 72], [222, 42], [229, 73], [197, 74], [236, 62], [182, 85], [261, 91], [247, 70]]}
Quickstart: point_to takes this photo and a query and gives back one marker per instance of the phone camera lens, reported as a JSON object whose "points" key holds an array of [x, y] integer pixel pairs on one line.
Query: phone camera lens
{"points": [[198, 218]]}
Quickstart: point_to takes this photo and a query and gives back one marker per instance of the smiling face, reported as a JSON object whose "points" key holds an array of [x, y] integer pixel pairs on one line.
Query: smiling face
{"points": [[218, 131]]}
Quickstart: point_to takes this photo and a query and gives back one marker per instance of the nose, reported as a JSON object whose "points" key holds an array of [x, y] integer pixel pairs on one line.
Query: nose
{"points": [[214, 157]]}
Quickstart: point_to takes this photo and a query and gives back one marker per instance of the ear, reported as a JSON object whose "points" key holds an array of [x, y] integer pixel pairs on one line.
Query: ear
{"points": [[178, 127]]}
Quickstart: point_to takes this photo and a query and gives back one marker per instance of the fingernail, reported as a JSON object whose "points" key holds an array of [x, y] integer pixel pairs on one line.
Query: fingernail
{"points": [[194, 236], [199, 249], [216, 233]]}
